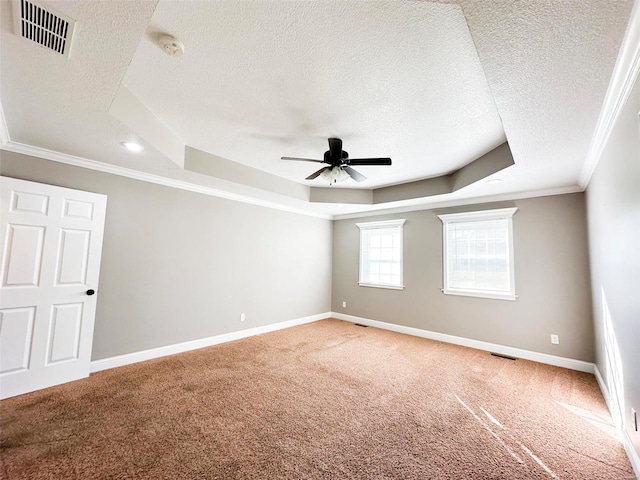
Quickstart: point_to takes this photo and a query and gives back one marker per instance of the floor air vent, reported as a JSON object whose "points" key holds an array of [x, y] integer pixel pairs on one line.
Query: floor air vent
{"points": [[41, 25], [506, 357]]}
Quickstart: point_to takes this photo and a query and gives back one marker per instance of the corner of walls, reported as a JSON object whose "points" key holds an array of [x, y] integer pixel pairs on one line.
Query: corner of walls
{"points": [[612, 200], [622, 433], [182, 266]]}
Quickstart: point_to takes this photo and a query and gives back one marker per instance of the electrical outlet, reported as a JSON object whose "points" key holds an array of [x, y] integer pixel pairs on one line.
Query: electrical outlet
{"points": [[555, 339], [344, 304], [634, 419], [242, 317]]}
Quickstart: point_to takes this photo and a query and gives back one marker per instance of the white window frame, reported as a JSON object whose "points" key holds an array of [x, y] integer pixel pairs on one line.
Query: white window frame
{"points": [[497, 214], [387, 224]]}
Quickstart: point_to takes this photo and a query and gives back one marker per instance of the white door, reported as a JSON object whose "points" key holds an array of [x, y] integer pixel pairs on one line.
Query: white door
{"points": [[52, 242]]}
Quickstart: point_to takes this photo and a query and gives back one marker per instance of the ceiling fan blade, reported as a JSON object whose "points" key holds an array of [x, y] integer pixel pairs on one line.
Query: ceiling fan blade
{"points": [[335, 149], [317, 174], [301, 159], [369, 161], [357, 176]]}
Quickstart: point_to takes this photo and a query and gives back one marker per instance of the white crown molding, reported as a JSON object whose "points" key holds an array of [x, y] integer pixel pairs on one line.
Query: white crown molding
{"points": [[82, 162], [625, 73], [500, 197], [563, 362], [4, 130], [151, 178], [141, 356]]}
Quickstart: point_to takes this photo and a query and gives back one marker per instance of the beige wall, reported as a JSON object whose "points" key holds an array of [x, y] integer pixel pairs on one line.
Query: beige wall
{"points": [[179, 266], [613, 208], [551, 275]]}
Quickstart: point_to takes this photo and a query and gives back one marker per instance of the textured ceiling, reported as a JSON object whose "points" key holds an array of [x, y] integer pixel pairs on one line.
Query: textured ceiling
{"points": [[548, 64], [263, 80], [433, 85]]}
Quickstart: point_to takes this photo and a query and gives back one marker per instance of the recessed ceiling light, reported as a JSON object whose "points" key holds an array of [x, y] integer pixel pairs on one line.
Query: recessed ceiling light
{"points": [[133, 146], [494, 180]]}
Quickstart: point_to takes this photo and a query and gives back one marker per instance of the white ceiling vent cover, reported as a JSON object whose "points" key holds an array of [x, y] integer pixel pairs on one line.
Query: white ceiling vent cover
{"points": [[42, 25]]}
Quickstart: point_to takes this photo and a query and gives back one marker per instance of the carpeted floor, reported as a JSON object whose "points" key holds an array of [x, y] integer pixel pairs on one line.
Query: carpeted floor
{"points": [[327, 400]]}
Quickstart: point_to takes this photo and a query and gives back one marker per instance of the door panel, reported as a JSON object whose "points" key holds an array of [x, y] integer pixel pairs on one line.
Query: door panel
{"points": [[64, 341], [29, 202], [50, 258], [74, 257], [23, 255], [16, 329], [78, 209]]}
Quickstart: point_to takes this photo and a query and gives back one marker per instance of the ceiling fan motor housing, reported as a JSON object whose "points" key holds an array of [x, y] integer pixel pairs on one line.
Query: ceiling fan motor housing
{"points": [[344, 156]]}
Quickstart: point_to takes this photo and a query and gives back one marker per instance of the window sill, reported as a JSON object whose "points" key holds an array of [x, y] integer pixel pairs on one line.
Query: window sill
{"points": [[475, 293], [390, 287]]}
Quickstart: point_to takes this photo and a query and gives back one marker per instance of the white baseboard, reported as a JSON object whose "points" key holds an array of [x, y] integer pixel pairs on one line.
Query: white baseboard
{"points": [[603, 388], [477, 344], [634, 458], [129, 358]]}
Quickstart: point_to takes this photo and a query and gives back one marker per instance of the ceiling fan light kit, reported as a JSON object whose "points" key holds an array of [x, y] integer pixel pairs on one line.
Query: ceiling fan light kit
{"points": [[334, 175], [339, 168]]}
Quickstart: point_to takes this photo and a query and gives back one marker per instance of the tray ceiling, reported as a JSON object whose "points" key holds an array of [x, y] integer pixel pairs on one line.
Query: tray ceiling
{"points": [[434, 86]]}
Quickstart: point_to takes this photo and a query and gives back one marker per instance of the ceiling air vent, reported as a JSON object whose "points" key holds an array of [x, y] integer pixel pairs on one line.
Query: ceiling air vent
{"points": [[42, 25]]}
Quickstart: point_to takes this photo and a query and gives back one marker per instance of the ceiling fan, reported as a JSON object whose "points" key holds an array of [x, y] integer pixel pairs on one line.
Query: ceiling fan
{"points": [[339, 164]]}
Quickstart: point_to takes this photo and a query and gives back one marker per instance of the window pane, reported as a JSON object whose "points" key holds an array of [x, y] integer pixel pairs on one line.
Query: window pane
{"points": [[381, 254], [477, 255], [386, 254]]}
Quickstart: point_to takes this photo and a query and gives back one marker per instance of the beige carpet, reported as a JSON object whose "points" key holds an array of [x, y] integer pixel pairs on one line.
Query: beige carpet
{"points": [[328, 400]]}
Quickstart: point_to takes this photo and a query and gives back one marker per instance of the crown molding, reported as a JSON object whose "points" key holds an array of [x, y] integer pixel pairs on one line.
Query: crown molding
{"points": [[151, 178], [182, 185], [547, 192], [625, 73]]}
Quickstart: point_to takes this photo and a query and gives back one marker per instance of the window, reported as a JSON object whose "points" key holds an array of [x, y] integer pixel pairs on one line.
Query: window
{"points": [[478, 254], [381, 254]]}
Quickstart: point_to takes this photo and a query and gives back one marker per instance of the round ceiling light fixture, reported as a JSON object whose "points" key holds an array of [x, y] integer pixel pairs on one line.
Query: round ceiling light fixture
{"points": [[171, 45], [132, 146]]}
